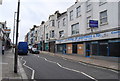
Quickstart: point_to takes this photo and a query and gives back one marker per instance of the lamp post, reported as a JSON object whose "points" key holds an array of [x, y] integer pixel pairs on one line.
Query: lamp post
{"points": [[14, 28], [16, 51]]}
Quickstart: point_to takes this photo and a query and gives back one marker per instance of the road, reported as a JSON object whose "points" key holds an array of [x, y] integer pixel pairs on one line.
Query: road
{"points": [[45, 66]]}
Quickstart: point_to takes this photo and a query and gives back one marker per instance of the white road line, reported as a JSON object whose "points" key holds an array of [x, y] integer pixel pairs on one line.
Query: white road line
{"points": [[4, 63], [64, 58], [33, 71], [69, 68], [99, 67]]}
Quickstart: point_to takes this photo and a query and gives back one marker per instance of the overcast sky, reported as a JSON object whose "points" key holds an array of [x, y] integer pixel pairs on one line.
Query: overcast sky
{"points": [[32, 12]]}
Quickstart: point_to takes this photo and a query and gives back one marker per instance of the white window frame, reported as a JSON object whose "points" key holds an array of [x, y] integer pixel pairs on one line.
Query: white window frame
{"points": [[88, 18], [61, 33], [47, 36], [64, 22], [101, 2], [71, 15], [104, 17], [78, 11], [88, 6], [58, 24], [75, 29]]}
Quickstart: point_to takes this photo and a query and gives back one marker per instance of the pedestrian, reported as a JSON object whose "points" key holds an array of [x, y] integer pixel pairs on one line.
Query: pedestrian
{"points": [[3, 49]]}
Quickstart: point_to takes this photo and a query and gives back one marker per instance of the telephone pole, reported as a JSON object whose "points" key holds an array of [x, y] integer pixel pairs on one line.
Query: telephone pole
{"points": [[16, 49]]}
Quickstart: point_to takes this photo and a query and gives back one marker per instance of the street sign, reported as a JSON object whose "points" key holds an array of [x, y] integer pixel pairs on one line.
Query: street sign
{"points": [[93, 23], [0, 2]]}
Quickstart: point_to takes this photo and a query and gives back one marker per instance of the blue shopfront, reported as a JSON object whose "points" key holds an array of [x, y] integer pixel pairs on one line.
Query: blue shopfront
{"points": [[101, 44]]}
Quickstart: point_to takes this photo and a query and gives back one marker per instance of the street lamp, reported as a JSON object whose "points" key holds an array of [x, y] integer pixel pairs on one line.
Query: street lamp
{"points": [[14, 27], [16, 50]]}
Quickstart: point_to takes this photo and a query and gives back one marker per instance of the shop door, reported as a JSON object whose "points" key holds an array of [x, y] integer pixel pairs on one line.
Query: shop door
{"points": [[80, 49], [103, 49], [74, 48], [69, 48], [94, 49], [52, 47], [115, 49], [87, 49]]}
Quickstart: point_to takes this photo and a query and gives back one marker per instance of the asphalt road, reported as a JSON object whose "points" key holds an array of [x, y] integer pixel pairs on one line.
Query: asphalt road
{"points": [[44, 66]]}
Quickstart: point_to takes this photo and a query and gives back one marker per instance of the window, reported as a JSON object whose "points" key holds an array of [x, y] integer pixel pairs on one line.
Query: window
{"points": [[52, 23], [101, 2], [61, 33], [75, 29], [46, 35], [52, 33], [64, 22], [88, 18], [88, 5], [103, 17], [78, 11], [58, 24], [71, 15]]}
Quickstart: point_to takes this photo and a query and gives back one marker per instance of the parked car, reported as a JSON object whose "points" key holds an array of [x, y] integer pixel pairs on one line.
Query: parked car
{"points": [[22, 48], [35, 51]]}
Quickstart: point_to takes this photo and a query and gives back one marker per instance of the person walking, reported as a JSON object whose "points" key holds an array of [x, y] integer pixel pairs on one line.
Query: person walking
{"points": [[3, 49]]}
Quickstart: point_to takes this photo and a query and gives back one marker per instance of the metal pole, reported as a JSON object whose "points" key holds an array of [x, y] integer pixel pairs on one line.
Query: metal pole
{"points": [[14, 29], [16, 51]]}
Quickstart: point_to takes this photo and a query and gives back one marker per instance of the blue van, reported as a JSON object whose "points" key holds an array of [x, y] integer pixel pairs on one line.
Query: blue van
{"points": [[22, 48]]}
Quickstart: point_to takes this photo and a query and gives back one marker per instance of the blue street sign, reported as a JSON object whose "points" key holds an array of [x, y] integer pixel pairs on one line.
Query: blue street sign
{"points": [[93, 23]]}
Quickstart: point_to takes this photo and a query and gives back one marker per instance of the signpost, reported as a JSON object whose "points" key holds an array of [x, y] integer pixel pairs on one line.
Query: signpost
{"points": [[93, 24]]}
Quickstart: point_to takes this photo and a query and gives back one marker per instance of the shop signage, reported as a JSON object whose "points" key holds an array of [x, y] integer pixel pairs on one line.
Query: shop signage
{"points": [[99, 36], [93, 23]]}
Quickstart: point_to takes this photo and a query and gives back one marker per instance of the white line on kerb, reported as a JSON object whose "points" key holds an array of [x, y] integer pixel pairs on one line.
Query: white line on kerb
{"points": [[33, 71], [99, 67], [69, 68]]}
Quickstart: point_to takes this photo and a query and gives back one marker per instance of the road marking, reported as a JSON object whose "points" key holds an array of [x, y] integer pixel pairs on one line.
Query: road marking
{"points": [[33, 71], [69, 68], [82, 63], [99, 67], [64, 58], [4, 63]]}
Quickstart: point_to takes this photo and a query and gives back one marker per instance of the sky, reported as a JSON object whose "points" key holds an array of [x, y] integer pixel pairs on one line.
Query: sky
{"points": [[32, 12]]}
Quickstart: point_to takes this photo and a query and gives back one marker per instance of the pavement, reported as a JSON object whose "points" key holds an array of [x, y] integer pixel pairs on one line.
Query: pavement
{"points": [[8, 68], [108, 62]]}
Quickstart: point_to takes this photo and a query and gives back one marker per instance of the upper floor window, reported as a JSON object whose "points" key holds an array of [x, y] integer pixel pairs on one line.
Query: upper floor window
{"points": [[58, 24], [88, 5], [61, 33], [88, 18], [46, 35], [103, 17], [101, 2], [78, 11], [64, 21], [75, 29], [52, 33], [71, 15], [52, 23]]}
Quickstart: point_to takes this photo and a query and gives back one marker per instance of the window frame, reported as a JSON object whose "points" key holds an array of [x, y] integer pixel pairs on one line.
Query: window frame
{"points": [[78, 11], [104, 17], [71, 15], [75, 29]]}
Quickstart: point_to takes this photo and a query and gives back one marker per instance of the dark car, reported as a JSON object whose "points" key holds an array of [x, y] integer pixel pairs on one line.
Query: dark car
{"points": [[34, 51]]}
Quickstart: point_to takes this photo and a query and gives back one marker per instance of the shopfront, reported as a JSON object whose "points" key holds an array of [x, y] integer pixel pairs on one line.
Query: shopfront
{"points": [[52, 46], [100, 44], [61, 48]]}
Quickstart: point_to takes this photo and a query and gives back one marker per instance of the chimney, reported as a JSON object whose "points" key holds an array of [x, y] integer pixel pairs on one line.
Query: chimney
{"points": [[76, 1]]}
